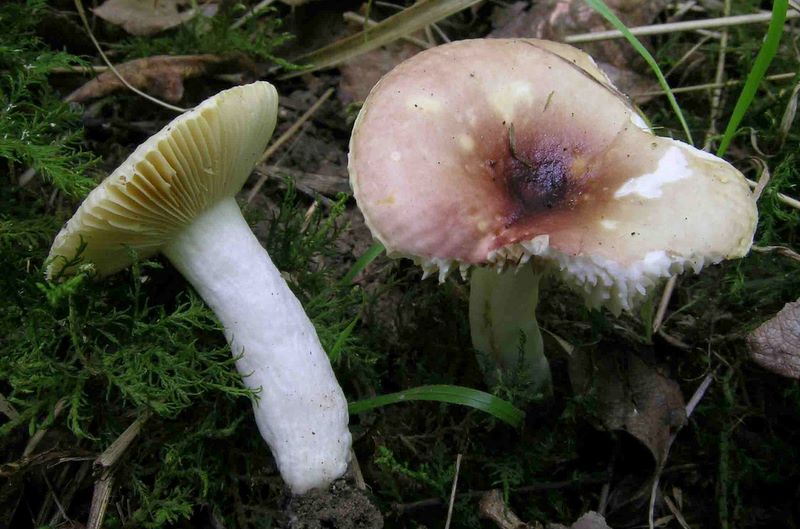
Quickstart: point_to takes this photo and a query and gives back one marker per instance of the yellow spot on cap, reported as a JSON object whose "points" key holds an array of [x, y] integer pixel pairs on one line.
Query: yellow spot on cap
{"points": [[466, 142]]}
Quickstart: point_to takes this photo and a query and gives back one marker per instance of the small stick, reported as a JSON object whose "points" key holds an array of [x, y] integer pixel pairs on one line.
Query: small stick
{"points": [[355, 17], [662, 305], [106, 461], [100, 498], [291, 131], [111, 454], [82, 14], [716, 95], [591, 479], [309, 215], [789, 201], [706, 86], [358, 476], [763, 180], [453, 493], [39, 435], [659, 29], [780, 250], [254, 11]]}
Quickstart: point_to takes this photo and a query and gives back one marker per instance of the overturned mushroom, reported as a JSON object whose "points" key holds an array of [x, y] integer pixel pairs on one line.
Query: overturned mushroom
{"points": [[175, 195], [498, 152]]}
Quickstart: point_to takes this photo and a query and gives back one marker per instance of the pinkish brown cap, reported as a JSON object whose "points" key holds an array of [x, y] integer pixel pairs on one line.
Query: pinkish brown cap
{"points": [[492, 151]]}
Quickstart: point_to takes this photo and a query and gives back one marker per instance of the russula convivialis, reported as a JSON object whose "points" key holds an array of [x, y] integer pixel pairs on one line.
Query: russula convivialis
{"points": [[497, 152], [175, 195]]}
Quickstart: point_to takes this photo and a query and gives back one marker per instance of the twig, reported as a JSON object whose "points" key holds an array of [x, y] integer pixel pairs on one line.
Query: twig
{"points": [[706, 86], [716, 95], [664, 303], [763, 180], [453, 493], [106, 461], [659, 29], [100, 498], [355, 17], [780, 250], [53, 495], [698, 395], [676, 512], [603, 503], [252, 12], [591, 479], [39, 435], [358, 476], [82, 14], [111, 454], [789, 201], [284, 138]]}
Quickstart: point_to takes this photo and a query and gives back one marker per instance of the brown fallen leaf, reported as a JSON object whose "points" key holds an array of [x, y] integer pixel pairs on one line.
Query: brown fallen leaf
{"points": [[160, 76], [555, 19], [145, 17], [361, 74], [775, 345], [630, 396]]}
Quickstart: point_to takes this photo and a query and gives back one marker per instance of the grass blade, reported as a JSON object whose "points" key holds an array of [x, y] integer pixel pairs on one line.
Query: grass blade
{"points": [[416, 17], [760, 66], [374, 251], [602, 8], [495, 406]]}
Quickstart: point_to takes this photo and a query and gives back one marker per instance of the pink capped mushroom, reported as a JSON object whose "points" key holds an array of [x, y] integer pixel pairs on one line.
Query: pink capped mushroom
{"points": [[512, 157]]}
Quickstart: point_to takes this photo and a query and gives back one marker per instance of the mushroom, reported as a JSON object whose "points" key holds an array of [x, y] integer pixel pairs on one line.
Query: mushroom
{"points": [[175, 195], [519, 155]]}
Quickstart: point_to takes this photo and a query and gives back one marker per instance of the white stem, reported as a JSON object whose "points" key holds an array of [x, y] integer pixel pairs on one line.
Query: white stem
{"points": [[301, 411], [502, 317]]}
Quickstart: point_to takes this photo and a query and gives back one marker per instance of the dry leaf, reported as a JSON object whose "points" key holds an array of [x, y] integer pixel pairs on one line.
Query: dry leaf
{"points": [[160, 76], [145, 17], [630, 396], [555, 19], [775, 345], [360, 74]]}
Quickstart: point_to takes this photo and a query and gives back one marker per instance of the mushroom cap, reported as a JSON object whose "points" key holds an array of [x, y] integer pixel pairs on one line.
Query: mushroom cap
{"points": [[200, 157], [488, 152]]}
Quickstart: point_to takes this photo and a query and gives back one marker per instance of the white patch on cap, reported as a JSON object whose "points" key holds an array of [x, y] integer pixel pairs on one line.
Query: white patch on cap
{"points": [[609, 224], [700, 153], [466, 142], [639, 121], [395, 156], [506, 98], [422, 102], [673, 166]]}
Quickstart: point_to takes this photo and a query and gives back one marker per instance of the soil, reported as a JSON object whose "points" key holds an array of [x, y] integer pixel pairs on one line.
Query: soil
{"points": [[342, 506]]}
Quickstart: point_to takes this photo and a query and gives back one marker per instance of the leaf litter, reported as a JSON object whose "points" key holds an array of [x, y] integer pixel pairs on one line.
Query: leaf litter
{"points": [[148, 17]]}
